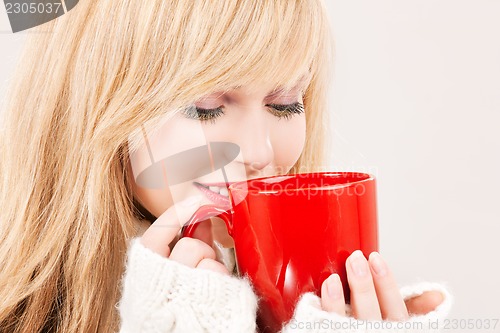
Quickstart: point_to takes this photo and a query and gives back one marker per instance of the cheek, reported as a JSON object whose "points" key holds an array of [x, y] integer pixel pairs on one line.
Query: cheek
{"points": [[288, 141], [155, 201], [150, 181]]}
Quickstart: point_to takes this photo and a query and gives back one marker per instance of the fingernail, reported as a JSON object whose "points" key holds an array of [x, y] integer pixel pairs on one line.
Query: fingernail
{"points": [[378, 264], [358, 262], [334, 287]]}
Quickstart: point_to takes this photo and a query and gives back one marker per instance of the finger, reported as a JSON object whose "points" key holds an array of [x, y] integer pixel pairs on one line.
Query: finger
{"points": [[424, 303], [364, 302], [213, 265], [390, 300], [191, 251], [332, 295], [166, 227], [204, 231]]}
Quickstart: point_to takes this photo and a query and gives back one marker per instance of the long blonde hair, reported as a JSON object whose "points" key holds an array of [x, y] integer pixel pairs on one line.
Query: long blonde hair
{"points": [[85, 83]]}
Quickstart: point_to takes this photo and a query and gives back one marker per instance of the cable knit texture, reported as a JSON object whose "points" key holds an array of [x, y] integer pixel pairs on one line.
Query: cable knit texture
{"points": [[160, 295]]}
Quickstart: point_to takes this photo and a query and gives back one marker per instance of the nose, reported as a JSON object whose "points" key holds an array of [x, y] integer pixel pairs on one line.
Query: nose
{"points": [[254, 138]]}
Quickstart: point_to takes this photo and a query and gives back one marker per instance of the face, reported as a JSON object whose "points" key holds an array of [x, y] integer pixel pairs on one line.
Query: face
{"points": [[267, 126]]}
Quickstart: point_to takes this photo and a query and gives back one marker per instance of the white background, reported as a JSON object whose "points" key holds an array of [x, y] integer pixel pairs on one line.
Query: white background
{"points": [[416, 102]]}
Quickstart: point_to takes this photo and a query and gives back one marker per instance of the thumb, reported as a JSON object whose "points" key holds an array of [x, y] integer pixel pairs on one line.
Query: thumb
{"points": [[424, 303], [166, 227]]}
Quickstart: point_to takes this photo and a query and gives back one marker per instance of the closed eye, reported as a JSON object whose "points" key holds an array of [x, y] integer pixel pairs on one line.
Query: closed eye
{"points": [[286, 111]]}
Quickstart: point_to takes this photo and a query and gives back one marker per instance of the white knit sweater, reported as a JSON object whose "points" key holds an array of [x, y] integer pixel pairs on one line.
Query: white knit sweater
{"points": [[160, 295]]}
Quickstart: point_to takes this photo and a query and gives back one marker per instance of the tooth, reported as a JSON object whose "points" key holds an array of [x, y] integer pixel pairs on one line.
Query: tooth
{"points": [[224, 192], [214, 189]]}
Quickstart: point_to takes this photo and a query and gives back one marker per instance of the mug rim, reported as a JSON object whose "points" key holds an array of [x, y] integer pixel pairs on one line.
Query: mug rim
{"points": [[366, 177]]}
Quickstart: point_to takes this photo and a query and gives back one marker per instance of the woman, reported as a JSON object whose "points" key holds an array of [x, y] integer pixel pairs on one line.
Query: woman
{"points": [[87, 94]]}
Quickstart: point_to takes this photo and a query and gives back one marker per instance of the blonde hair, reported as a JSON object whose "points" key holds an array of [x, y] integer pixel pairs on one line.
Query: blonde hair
{"points": [[84, 85]]}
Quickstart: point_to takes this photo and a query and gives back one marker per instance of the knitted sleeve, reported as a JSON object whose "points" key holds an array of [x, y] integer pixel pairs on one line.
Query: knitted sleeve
{"points": [[309, 317], [160, 295]]}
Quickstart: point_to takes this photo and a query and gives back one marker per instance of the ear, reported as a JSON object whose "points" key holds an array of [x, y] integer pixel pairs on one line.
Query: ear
{"points": [[424, 303]]}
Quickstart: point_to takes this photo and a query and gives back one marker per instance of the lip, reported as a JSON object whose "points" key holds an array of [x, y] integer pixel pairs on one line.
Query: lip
{"points": [[217, 184], [216, 198]]}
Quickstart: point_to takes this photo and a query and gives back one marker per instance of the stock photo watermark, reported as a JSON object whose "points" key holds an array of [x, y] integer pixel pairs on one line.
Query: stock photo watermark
{"points": [[452, 325], [25, 15]]}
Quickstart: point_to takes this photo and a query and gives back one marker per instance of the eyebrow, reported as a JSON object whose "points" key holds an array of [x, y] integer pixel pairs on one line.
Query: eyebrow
{"points": [[300, 83], [282, 91]]}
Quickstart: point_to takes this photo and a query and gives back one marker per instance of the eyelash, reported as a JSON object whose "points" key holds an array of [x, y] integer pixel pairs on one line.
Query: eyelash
{"points": [[286, 111]]}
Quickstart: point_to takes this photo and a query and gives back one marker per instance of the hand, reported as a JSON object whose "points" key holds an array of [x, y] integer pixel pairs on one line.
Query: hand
{"points": [[374, 292], [187, 251]]}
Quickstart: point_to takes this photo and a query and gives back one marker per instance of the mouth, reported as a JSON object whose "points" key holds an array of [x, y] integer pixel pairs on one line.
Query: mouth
{"points": [[216, 192]]}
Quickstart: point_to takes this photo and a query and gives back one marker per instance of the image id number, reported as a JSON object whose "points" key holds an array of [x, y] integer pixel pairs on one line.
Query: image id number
{"points": [[471, 324], [33, 8]]}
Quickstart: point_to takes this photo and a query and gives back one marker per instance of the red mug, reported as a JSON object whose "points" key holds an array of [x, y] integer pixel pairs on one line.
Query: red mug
{"points": [[291, 232]]}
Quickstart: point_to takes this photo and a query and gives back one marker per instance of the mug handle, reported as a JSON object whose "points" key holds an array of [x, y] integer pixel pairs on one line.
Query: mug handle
{"points": [[203, 213]]}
